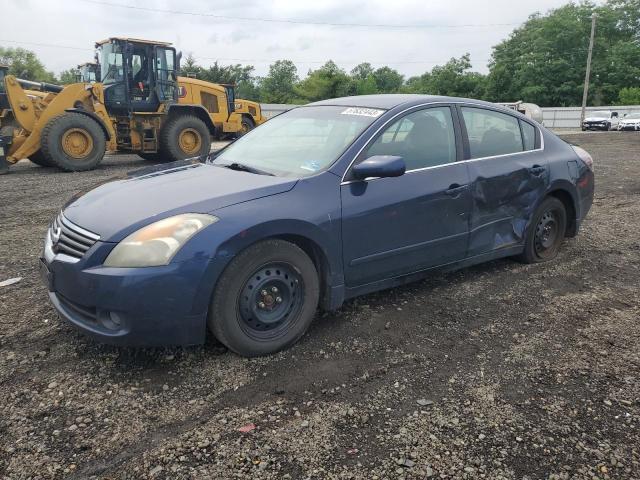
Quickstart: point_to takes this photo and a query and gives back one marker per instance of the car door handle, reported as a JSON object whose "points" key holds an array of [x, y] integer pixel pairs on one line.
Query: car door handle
{"points": [[455, 189], [537, 170]]}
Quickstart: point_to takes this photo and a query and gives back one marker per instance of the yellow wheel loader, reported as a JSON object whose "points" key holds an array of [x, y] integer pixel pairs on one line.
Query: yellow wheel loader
{"points": [[139, 105], [8, 123], [87, 72]]}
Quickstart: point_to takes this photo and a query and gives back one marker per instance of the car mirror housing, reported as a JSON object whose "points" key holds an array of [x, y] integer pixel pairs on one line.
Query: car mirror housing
{"points": [[380, 166]]}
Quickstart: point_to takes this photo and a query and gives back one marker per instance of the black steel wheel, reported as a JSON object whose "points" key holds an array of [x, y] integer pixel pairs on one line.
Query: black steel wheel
{"points": [[270, 301], [265, 299], [546, 233]]}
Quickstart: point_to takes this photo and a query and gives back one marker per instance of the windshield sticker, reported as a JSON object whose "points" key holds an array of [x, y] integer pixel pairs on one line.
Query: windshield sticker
{"points": [[311, 166], [364, 112]]}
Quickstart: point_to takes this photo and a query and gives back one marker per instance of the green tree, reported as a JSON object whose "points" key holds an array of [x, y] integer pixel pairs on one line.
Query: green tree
{"points": [[279, 84], [362, 71], [454, 78], [629, 96], [68, 76], [544, 60], [25, 64], [388, 80], [239, 75], [189, 67], [364, 82], [328, 81]]}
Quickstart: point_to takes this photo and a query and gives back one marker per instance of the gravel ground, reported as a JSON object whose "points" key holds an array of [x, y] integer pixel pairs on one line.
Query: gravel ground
{"points": [[498, 371]]}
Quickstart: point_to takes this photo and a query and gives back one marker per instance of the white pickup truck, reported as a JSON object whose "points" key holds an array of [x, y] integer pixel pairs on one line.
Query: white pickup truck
{"points": [[601, 120]]}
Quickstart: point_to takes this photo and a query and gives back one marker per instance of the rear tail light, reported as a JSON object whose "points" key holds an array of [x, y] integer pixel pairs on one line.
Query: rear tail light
{"points": [[584, 156]]}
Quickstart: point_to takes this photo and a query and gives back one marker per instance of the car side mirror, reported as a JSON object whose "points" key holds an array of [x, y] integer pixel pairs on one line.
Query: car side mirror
{"points": [[380, 166]]}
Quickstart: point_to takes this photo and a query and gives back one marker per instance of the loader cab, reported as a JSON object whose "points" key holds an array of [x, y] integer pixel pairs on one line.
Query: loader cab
{"points": [[88, 73], [138, 75], [231, 98], [4, 101]]}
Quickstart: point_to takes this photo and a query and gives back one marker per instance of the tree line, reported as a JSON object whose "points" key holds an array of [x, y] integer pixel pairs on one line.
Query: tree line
{"points": [[543, 62]]}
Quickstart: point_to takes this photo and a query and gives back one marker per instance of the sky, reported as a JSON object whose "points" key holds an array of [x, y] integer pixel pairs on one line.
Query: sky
{"points": [[411, 35]]}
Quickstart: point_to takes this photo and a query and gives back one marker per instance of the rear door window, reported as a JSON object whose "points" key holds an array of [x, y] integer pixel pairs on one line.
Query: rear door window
{"points": [[491, 133], [528, 135]]}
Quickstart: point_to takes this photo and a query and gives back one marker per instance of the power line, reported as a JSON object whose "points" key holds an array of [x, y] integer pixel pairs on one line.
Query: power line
{"points": [[46, 45], [295, 21], [250, 60]]}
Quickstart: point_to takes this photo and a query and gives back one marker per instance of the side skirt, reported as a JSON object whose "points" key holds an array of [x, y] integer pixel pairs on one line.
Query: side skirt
{"points": [[350, 292]]}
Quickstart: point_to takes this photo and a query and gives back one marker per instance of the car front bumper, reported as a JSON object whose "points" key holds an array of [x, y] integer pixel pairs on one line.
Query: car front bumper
{"points": [[152, 306], [594, 126], [629, 127]]}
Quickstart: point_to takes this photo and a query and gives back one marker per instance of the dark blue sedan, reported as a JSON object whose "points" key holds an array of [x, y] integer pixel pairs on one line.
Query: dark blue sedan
{"points": [[318, 205]]}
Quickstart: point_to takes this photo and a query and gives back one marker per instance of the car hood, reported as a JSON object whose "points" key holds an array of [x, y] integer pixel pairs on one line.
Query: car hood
{"points": [[631, 121], [121, 205], [596, 119]]}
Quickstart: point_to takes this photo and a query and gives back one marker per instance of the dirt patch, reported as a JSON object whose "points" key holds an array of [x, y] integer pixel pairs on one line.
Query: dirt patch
{"points": [[498, 371]]}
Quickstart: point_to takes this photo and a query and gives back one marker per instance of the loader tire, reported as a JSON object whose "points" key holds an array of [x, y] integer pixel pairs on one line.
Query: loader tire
{"points": [[73, 142], [247, 125], [39, 159], [184, 137], [152, 157]]}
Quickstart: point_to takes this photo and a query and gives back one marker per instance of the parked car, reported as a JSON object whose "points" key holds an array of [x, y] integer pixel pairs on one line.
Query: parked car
{"points": [[320, 204], [631, 121], [601, 120]]}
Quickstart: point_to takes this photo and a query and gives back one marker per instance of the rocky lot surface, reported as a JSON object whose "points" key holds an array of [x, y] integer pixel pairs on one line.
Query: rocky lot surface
{"points": [[502, 370]]}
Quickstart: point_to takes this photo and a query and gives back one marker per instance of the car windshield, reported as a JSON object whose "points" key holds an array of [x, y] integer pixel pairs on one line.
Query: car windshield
{"points": [[633, 116], [300, 142], [601, 113]]}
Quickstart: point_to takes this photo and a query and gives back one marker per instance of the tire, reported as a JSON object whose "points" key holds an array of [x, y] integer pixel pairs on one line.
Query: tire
{"points": [[73, 142], [546, 233], [39, 159], [251, 323], [179, 133], [247, 125]]}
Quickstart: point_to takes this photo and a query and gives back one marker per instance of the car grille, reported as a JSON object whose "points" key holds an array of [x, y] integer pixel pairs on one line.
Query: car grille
{"points": [[69, 238]]}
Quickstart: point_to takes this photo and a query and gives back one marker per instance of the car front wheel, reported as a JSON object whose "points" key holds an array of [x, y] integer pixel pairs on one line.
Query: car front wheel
{"points": [[265, 300], [546, 233]]}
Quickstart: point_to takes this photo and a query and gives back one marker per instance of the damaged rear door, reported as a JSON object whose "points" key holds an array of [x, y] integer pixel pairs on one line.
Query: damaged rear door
{"points": [[509, 175]]}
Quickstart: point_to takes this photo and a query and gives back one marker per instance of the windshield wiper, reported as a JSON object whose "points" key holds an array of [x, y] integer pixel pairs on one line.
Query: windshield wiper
{"points": [[241, 167]]}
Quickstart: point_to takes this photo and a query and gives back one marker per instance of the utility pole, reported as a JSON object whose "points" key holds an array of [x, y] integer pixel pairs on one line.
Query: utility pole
{"points": [[585, 93]]}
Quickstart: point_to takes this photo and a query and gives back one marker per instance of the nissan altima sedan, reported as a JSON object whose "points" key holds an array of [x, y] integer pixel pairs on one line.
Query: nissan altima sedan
{"points": [[323, 203]]}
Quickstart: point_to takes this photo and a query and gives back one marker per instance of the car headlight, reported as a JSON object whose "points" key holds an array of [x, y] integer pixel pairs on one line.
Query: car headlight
{"points": [[156, 244]]}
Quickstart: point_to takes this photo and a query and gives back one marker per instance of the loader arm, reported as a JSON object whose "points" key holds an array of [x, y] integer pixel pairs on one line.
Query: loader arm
{"points": [[34, 116], [23, 108]]}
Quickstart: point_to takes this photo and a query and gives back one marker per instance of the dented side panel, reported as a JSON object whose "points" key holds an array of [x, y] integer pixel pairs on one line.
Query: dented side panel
{"points": [[506, 191]]}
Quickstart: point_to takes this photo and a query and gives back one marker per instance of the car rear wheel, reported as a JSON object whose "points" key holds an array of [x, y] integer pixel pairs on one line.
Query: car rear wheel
{"points": [[546, 233], [265, 300]]}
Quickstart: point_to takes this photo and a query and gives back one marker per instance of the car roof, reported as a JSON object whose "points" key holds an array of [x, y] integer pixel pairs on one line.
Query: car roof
{"points": [[391, 100]]}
